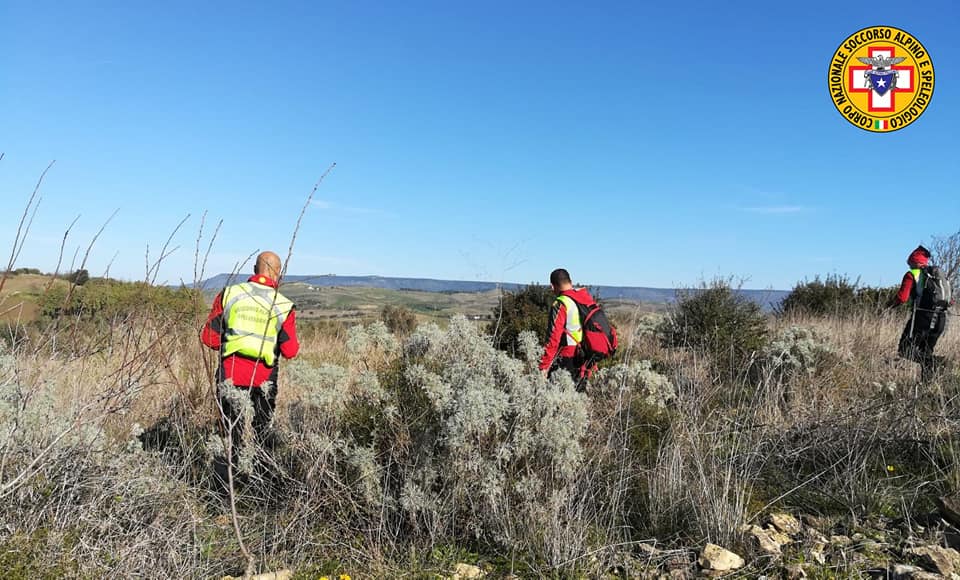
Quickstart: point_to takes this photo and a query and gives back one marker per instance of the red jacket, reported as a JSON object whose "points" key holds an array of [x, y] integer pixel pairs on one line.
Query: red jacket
{"points": [[906, 289], [558, 342], [918, 258], [245, 371]]}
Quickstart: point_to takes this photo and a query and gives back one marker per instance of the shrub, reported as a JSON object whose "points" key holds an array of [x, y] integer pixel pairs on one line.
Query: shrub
{"points": [[454, 441], [834, 295], [77, 499], [655, 390], [799, 350], [399, 319], [20, 271], [525, 309], [105, 299], [79, 277], [717, 320]]}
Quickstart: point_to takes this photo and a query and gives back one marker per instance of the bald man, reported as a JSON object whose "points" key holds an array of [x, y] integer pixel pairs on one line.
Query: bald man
{"points": [[252, 325]]}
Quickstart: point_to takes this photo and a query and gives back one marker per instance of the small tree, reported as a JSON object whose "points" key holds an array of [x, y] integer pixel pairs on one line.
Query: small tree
{"points": [[525, 309], [400, 320], [946, 254], [720, 321], [836, 295], [79, 277]]}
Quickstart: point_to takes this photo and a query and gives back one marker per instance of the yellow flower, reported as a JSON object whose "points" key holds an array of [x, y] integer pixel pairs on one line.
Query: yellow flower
{"points": [[324, 578], [891, 469], [344, 577]]}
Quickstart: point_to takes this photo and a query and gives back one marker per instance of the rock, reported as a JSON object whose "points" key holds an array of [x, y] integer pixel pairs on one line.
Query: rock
{"points": [[778, 536], [786, 523], [817, 522], [718, 559], [817, 553], [903, 571], [906, 572], [952, 537], [949, 507], [464, 571], [763, 540], [812, 535], [841, 541], [945, 561]]}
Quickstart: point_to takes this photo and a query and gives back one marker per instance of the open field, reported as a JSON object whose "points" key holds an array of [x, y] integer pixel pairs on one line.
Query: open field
{"points": [[18, 300], [362, 303], [366, 303]]}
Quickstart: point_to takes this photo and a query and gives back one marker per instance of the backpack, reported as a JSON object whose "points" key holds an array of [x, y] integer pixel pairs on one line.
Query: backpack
{"points": [[936, 292], [599, 336]]}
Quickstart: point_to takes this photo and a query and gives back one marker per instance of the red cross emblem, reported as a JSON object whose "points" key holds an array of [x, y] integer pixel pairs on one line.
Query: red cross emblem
{"points": [[880, 103]]}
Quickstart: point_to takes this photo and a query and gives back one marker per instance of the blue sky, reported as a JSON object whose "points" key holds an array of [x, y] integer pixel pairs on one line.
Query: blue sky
{"points": [[634, 144]]}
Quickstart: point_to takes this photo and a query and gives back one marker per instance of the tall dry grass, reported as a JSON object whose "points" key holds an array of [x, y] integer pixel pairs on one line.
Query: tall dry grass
{"points": [[108, 444], [393, 456]]}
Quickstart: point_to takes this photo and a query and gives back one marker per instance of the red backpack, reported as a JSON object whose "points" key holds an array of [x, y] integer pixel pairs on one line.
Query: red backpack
{"points": [[599, 336]]}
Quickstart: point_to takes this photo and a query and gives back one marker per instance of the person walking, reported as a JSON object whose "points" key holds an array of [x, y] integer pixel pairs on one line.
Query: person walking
{"points": [[922, 288], [565, 332], [252, 325]]}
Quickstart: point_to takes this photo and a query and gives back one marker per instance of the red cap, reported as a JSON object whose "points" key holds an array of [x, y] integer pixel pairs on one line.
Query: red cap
{"points": [[919, 257]]}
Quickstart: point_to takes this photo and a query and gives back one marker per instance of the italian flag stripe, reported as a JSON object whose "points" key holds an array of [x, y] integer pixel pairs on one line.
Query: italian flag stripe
{"points": [[880, 124]]}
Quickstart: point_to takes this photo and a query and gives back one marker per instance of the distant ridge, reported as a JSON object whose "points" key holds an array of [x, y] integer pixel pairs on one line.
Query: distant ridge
{"points": [[765, 298]]}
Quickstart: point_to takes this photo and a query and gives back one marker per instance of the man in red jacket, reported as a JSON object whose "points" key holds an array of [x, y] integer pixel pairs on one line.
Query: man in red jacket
{"points": [[564, 331], [252, 325]]}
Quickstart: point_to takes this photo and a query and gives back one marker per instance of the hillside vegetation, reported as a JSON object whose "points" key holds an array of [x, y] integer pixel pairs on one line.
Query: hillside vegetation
{"points": [[410, 454]]}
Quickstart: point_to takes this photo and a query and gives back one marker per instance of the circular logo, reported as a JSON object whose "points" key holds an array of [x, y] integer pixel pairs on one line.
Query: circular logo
{"points": [[881, 79]]}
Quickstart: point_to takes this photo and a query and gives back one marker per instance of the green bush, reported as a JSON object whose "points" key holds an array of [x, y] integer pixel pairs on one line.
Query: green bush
{"points": [[399, 319], [19, 271], [79, 277], [105, 299], [718, 320], [525, 309], [835, 295]]}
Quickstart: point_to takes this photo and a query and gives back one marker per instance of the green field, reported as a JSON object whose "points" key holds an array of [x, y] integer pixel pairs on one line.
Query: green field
{"points": [[354, 302]]}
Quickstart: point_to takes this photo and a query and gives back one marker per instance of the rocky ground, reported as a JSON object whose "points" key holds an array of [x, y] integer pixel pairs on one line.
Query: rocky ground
{"points": [[787, 546]]}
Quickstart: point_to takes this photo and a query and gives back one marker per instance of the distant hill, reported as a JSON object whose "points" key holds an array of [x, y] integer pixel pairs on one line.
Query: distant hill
{"points": [[766, 298]]}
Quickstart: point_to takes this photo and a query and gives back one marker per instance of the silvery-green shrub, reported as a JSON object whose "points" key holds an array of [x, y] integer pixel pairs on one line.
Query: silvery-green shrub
{"points": [[799, 350]]}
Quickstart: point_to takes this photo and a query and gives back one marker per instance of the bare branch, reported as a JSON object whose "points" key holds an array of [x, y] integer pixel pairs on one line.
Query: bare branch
{"points": [[21, 237], [155, 269], [306, 204], [946, 254]]}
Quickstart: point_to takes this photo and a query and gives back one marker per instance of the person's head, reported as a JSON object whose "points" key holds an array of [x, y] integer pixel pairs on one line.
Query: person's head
{"points": [[268, 264], [560, 280], [919, 258]]}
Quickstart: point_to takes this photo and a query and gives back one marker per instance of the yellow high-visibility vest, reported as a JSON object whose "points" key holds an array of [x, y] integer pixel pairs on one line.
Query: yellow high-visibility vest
{"points": [[917, 290], [573, 329], [254, 315]]}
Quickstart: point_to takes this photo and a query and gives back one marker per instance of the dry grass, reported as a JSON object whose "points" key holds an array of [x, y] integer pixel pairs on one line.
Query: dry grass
{"points": [[722, 454]]}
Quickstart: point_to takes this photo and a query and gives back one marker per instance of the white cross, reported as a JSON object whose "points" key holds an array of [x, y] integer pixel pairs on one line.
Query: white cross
{"points": [[882, 102]]}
